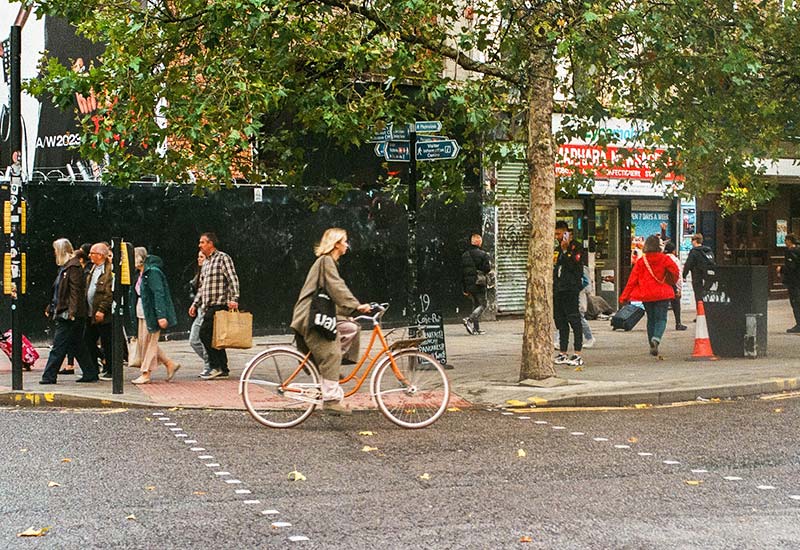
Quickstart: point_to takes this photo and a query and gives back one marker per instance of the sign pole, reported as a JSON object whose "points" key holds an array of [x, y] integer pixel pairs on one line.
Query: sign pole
{"points": [[122, 267], [14, 212], [411, 298]]}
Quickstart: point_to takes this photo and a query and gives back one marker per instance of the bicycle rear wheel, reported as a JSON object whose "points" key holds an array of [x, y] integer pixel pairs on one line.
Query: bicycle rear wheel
{"points": [[271, 397], [411, 389]]}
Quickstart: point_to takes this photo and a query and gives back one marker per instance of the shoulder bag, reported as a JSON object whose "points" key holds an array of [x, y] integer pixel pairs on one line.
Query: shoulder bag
{"points": [[669, 278], [322, 313]]}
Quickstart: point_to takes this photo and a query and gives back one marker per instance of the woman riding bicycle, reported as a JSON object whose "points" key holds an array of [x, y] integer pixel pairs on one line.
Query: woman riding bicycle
{"points": [[324, 273]]}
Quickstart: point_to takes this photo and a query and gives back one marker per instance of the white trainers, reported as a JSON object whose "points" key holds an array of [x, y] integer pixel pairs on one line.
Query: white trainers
{"points": [[575, 361], [588, 343], [561, 359]]}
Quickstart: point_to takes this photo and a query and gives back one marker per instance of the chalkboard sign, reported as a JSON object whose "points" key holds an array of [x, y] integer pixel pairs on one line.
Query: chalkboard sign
{"points": [[431, 325]]}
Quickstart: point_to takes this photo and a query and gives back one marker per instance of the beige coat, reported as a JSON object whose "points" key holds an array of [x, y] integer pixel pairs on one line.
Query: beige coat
{"points": [[327, 353]]}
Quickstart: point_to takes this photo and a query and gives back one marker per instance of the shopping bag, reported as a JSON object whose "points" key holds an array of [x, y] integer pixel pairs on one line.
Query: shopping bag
{"points": [[322, 314], [232, 329]]}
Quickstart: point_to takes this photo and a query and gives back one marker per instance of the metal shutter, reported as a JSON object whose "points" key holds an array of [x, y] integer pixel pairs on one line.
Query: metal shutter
{"points": [[513, 232]]}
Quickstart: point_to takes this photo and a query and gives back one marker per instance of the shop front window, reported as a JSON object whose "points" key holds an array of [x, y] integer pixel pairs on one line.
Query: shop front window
{"points": [[744, 238]]}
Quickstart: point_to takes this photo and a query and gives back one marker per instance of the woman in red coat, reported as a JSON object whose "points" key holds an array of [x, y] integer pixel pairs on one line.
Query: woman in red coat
{"points": [[651, 282]]}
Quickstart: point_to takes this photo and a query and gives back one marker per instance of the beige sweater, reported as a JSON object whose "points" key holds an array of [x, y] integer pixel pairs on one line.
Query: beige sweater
{"points": [[324, 273]]}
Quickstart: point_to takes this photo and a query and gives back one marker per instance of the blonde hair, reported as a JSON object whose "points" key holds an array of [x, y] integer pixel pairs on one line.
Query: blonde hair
{"points": [[63, 250], [329, 240], [139, 255]]}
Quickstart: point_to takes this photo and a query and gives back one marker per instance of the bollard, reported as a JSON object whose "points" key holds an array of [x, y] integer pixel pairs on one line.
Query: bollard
{"points": [[751, 335]]}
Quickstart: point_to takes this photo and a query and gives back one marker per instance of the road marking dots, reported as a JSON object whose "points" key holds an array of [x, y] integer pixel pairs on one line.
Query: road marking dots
{"points": [[279, 524], [197, 449], [524, 417], [212, 464], [254, 501], [540, 422], [766, 487], [622, 446], [171, 424], [232, 481], [270, 512], [671, 462], [644, 454], [190, 441], [158, 414], [699, 471], [732, 478], [205, 457], [242, 491], [297, 538], [794, 497], [181, 435], [222, 473], [600, 438], [175, 429], [577, 433], [559, 428]]}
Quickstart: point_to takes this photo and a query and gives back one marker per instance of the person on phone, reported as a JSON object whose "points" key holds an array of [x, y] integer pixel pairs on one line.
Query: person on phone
{"points": [[567, 284]]}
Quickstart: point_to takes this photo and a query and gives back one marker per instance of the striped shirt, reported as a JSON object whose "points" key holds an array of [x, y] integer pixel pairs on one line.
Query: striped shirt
{"points": [[219, 283]]}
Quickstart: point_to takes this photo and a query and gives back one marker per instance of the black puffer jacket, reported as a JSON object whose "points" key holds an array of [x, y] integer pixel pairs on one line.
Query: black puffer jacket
{"points": [[790, 272], [568, 268], [472, 261], [698, 260]]}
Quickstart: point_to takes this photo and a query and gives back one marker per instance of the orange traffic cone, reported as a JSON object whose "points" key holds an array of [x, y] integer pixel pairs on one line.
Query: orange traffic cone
{"points": [[702, 343]]}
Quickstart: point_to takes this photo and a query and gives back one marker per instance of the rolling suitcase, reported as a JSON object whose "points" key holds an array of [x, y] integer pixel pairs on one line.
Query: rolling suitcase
{"points": [[627, 317]]}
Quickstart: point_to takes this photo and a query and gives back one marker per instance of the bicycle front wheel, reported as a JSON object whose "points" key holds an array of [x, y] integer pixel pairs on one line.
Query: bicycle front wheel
{"points": [[280, 391], [411, 389]]}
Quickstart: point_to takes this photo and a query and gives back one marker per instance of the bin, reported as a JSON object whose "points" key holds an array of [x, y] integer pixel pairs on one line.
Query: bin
{"points": [[736, 311]]}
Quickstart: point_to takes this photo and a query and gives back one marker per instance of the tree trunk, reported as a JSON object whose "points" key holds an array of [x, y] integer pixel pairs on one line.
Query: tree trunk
{"points": [[537, 341]]}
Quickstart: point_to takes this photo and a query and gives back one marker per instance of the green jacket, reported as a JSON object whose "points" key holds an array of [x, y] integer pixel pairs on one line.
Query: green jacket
{"points": [[156, 299]]}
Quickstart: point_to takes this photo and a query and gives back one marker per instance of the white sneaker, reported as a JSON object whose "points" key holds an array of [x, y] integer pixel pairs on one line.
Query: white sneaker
{"points": [[588, 343], [575, 361], [561, 359]]}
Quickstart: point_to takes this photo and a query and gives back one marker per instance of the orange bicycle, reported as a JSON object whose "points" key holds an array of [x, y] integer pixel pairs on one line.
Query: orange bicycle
{"points": [[281, 386]]}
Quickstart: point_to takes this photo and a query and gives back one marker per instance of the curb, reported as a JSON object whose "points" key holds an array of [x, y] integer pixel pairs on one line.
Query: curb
{"points": [[54, 399]]}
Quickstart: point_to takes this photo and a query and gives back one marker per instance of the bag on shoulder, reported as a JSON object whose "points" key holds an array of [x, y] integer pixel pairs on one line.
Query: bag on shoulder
{"points": [[322, 313], [480, 278]]}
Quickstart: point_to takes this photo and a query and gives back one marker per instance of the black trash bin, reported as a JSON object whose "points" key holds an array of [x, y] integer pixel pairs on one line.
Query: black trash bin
{"points": [[739, 293]]}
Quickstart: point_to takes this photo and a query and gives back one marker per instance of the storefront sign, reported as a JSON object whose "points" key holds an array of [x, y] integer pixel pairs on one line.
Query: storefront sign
{"points": [[608, 162]]}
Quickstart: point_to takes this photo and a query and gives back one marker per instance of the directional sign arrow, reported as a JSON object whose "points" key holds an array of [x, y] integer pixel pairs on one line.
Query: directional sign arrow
{"points": [[437, 150], [380, 149], [427, 126]]}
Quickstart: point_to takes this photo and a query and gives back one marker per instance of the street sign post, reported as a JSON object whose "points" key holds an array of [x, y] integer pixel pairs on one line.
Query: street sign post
{"points": [[427, 126], [437, 150]]}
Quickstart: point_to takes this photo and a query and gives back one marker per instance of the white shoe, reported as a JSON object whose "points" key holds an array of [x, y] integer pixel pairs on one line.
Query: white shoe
{"points": [[588, 343], [575, 361], [561, 359]]}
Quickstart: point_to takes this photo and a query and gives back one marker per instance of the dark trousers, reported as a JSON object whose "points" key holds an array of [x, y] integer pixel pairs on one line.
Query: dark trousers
{"points": [[566, 315], [675, 304], [100, 332], [794, 300], [217, 358], [478, 296], [697, 287], [68, 336]]}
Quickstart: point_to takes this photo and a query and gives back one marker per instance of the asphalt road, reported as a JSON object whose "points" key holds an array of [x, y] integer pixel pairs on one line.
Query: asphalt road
{"points": [[652, 478]]}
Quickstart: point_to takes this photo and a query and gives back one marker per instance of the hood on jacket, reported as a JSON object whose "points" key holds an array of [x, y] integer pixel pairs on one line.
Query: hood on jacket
{"points": [[153, 261]]}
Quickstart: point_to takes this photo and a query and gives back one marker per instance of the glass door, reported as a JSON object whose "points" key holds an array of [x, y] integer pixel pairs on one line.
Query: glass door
{"points": [[606, 258]]}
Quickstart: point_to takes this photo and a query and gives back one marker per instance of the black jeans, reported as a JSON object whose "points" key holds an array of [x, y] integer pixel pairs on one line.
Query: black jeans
{"points": [[566, 315], [103, 333], [794, 300], [478, 296], [68, 337], [217, 358], [699, 292], [676, 307]]}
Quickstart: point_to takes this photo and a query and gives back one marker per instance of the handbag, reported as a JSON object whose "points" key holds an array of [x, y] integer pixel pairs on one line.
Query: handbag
{"points": [[669, 278], [480, 278], [232, 329], [322, 313]]}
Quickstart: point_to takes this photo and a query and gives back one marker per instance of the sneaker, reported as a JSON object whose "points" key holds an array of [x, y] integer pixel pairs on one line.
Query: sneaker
{"points": [[468, 325], [336, 408], [653, 347], [215, 373], [206, 371], [588, 343], [479, 331], [681, 327], [561, 359], [105, 376], [575, 361], [794, 330]]}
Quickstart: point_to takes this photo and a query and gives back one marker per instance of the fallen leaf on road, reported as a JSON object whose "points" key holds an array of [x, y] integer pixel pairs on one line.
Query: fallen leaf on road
{"points": [[66, 460], [578, 369], [693, 482], [294, 475], [174, 409], [525, 539], [23, 450], [150, 488], [660, 357], [453, 409], [633, 440], [366, 433], [199, 493], [516, 403], [131, 517], [716, 400], [521, 453], [778, 410], [642, 406], [426, 476], [32, 532], [53, 484], [368, 449]]}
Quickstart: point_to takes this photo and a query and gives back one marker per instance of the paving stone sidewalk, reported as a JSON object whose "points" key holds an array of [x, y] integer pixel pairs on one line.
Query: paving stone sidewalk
{"points": [[619, 371]]}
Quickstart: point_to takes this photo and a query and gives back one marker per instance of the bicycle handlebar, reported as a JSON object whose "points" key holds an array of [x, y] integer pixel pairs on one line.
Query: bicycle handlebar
{"points": [[379, 310]]}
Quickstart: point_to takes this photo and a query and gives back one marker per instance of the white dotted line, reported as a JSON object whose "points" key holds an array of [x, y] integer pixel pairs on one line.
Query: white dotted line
{"points": [[669, 462]]}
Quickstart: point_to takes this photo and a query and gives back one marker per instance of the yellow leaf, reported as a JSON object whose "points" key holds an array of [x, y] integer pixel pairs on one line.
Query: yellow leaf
{"points": [[778, 410], [426, 476], [516, 403], [294, 475], [199, 493], [366, 433], [174, 409], [525, 539], [578, 369], [32, 532], [368, 449], [66, 460], [53, 484], [633, 439], [716, 400], [131, 517], [521, 453], [693, 482], [453, 409], [642, 405], [150, 488]]}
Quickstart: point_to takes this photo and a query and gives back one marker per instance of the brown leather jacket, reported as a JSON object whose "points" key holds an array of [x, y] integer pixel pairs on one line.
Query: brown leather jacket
{"points": [[72, 291], [103, 294]]}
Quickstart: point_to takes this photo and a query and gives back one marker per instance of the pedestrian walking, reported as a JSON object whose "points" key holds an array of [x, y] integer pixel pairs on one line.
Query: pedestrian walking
{"points": [[219, 290], [652, 281], [475, 268], [790, 276], [324, 274], [99, 296], [151, 300], [700, 264], [68, 309], [567, 284], [194, 332], [672, 251]]}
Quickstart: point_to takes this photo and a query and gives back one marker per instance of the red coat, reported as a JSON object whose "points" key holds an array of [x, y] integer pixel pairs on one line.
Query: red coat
{"points": [[643, 287]]}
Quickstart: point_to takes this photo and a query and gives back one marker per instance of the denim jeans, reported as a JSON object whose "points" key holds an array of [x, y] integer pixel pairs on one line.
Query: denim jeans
{"points": [[69, 337], [656, 319], [194, 339]]}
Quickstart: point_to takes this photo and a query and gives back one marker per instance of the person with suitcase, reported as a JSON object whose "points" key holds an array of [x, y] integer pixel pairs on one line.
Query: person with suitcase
{"points": [[652, 282]]}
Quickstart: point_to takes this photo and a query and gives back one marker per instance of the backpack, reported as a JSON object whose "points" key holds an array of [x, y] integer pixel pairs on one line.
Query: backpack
{"points": [[708, 267]]}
